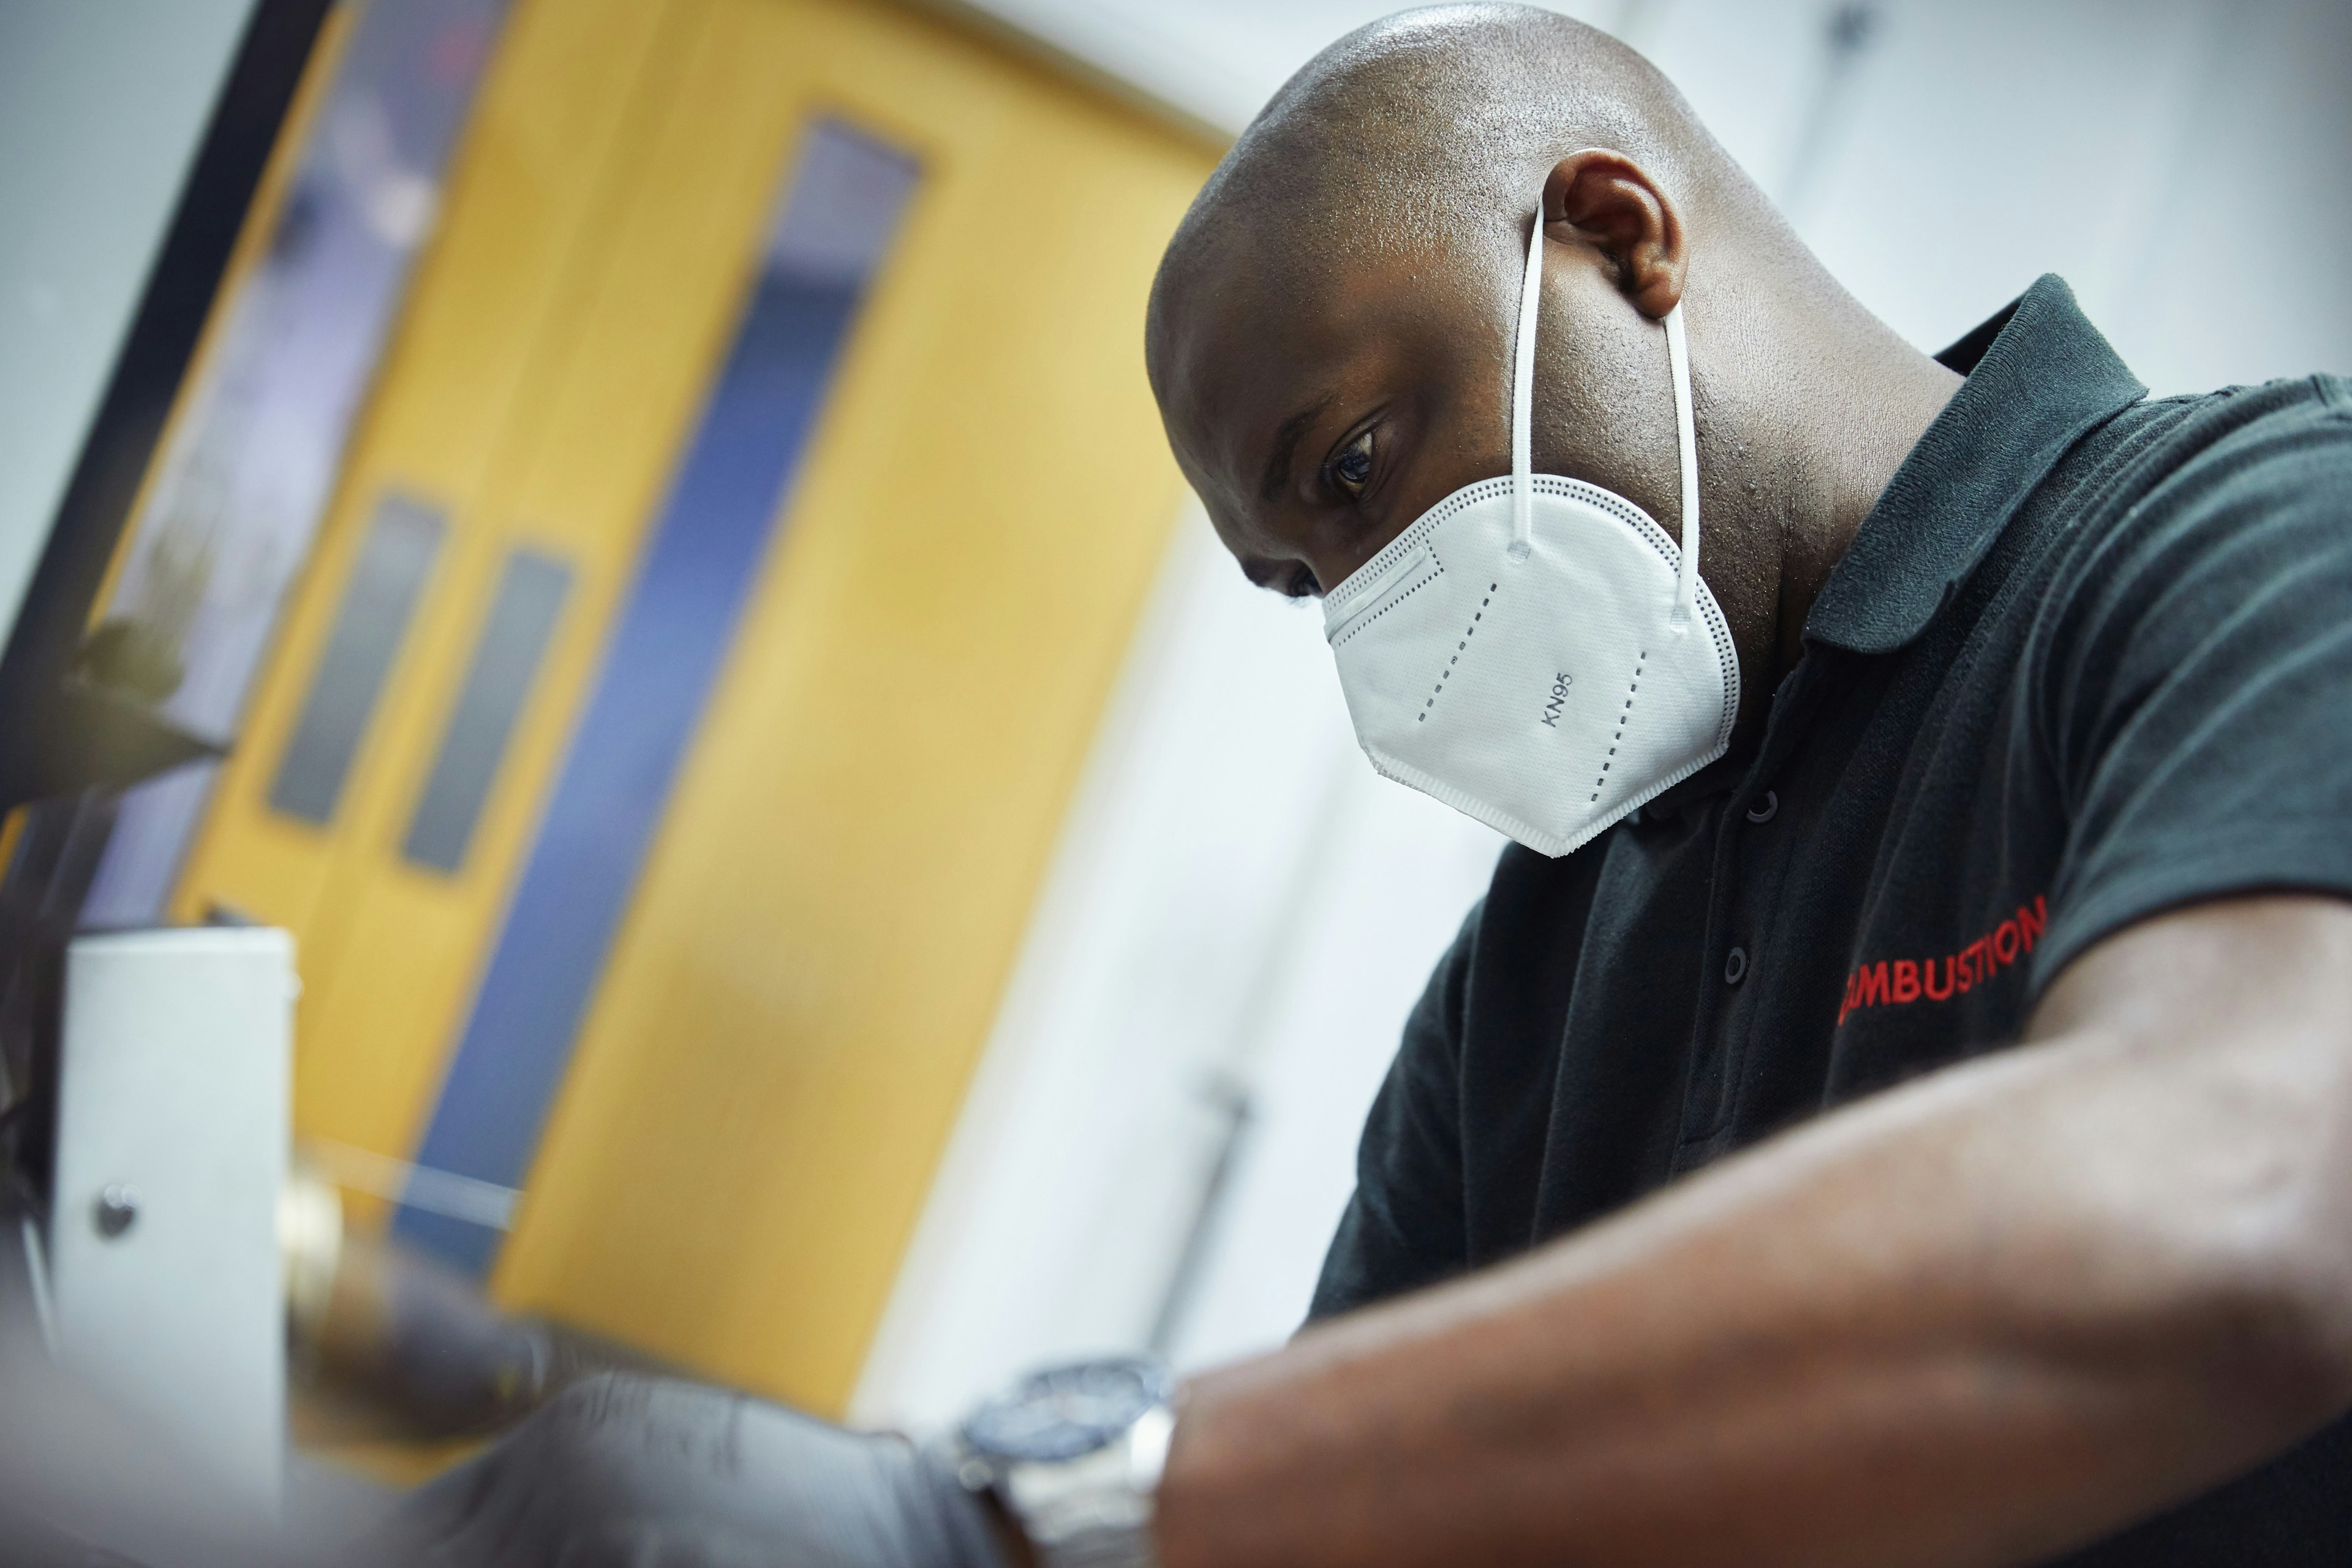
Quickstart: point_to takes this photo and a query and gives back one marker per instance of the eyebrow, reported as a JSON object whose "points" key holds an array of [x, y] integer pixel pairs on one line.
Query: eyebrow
{"points": [[1286, 447]]}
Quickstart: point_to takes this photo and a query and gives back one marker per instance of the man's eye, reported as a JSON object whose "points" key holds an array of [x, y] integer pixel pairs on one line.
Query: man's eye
{"points": [[1352, 468]]}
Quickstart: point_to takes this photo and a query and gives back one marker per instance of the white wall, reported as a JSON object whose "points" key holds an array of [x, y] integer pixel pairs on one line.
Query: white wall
{"points": [[1237, 901], [101, 105], [1240, 900], [2180, 161]]}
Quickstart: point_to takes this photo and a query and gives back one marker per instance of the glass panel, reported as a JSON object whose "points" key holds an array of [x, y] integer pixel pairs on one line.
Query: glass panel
{"points": [[227, 525], [378, 602], [521, 620], [840, 206]]}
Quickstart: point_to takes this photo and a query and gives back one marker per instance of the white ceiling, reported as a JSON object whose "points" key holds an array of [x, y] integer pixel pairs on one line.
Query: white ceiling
{"points": [[1967, 147], [1212, 60]]}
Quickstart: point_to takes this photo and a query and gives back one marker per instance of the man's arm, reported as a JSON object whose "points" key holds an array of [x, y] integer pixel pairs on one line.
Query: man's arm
{"points": [[1973, 1321]]}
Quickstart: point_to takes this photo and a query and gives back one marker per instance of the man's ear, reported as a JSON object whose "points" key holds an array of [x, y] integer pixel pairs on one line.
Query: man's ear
{"points": [[1606, 200]]}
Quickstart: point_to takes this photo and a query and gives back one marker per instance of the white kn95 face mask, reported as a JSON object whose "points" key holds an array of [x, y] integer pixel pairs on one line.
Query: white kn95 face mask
{"points": [[1534, 650]]}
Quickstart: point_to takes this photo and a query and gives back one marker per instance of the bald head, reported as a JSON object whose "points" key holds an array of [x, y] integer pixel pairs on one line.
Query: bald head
{"points": [[1357, 257], [1330, 334], [1420, 138]]}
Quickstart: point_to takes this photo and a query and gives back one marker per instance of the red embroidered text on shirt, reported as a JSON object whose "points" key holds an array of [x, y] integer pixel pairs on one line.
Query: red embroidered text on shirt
{"points": [[1895, 982]]}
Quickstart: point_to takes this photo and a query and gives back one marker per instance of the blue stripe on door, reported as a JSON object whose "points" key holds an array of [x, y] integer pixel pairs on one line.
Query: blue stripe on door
{"points": [[840, 207]]}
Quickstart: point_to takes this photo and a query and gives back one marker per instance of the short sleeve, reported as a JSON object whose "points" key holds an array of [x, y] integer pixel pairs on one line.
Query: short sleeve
{"points": [[1403, 1227], [2197, 691]]}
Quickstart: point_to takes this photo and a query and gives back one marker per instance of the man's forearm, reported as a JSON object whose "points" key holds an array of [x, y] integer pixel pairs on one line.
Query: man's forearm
{"points": [[1970, 1322]]}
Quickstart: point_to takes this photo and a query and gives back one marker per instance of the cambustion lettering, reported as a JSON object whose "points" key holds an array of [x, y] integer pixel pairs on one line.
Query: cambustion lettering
{"points": [[1899, 982]]}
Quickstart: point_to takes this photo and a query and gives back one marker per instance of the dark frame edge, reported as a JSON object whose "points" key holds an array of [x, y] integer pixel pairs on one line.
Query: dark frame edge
{"points": [[177, 298]]}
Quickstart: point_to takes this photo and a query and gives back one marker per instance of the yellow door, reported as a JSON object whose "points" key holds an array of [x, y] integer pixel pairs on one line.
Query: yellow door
{"points": [[778, 1035]]}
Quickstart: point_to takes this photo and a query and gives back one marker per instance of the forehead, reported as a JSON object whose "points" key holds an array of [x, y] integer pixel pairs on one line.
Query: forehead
{"points": [[1258, 346]]}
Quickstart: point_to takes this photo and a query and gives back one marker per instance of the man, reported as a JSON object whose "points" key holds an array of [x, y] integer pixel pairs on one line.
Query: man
{"points": [[1900, 1109]]}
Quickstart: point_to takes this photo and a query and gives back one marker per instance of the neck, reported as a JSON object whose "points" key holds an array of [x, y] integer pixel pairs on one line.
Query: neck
{"points": [[1820, 403]]}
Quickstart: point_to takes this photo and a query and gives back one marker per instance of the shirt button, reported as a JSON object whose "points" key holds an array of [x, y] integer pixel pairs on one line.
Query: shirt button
{"points": [[1734, 966], [1764, 810]]}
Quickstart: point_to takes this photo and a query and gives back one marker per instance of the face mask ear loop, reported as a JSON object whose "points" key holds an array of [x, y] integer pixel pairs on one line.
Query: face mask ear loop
{"points": [[1686, 437], [1523, 397]]}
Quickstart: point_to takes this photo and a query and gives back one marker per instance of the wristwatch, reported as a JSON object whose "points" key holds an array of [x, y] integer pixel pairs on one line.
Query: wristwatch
{"points": [[1074, 1453]]}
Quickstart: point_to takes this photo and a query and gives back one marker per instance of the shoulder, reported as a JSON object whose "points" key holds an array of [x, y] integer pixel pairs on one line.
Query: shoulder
{"points": [[2216, 457], [2186, 508], [2192, 670], [2279, 441]]}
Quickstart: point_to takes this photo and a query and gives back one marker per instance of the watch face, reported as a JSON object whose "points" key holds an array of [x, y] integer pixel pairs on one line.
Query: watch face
{"points": [[1065, 1412]]}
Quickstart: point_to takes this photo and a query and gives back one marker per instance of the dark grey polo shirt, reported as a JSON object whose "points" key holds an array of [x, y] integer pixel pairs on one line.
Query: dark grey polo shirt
{"points": [[2089, 659]]}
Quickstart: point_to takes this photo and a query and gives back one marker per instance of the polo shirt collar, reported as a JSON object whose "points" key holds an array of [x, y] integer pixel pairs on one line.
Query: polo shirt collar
{"points": [[2040, 377]]}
